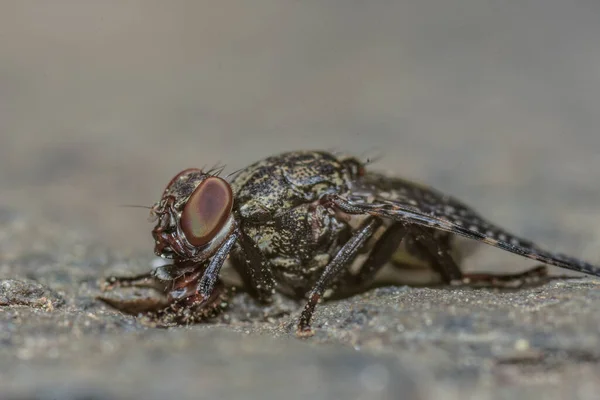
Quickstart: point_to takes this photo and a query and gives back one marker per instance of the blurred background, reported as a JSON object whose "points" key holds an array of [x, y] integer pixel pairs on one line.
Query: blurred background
{"points": [[498, 103]]}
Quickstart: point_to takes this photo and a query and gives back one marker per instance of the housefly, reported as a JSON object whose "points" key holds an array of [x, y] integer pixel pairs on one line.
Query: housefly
{"points": [[296, 222]]}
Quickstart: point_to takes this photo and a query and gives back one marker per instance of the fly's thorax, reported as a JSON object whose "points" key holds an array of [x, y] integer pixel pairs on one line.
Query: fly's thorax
{"points": [[299, 233], [285, 181]]}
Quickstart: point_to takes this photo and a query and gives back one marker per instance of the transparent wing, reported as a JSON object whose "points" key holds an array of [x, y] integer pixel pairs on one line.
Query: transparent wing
{"points": [[406, 201]]}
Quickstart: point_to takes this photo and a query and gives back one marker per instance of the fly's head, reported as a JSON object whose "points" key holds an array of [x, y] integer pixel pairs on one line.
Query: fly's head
{"points": [[193, 217]]}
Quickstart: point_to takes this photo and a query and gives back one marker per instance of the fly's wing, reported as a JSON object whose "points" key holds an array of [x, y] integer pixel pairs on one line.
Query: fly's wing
{"points": [[409, 202]]}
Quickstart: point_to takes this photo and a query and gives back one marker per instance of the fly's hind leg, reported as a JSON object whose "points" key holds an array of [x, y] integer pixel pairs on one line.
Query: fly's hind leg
{"points": [[439, 252], [381, 253], [534, 276]]}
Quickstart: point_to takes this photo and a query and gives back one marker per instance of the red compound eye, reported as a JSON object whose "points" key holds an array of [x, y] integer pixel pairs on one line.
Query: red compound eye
{"points": [[206, 211]]}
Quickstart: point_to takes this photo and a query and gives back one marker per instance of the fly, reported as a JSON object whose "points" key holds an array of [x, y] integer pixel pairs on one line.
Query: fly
{"points": [[296, 222]]}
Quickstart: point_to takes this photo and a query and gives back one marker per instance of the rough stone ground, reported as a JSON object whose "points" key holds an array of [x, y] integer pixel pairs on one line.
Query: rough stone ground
{"points": [[102, 102], [59, 342]]}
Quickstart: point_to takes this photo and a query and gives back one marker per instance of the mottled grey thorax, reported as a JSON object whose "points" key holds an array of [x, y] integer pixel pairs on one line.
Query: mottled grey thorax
{"points": [[282, 182]]}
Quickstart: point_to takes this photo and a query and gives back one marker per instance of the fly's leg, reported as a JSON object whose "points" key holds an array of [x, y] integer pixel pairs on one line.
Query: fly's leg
{"points": [[444, 264], [187, 291], [342, 258], [207, 283], [440, 253], [158, 278], [531, 276], [145, 280], [381, 253], [424, 215], [135, 305], [187, 285], [188, 305], [167, 281]]}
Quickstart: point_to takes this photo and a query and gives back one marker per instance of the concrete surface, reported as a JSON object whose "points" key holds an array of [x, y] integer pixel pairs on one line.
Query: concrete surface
{"points": [[102, 102]]}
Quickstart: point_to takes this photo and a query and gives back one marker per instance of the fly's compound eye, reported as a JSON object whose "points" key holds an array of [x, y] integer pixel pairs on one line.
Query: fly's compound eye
{"points": [[206, 211]]}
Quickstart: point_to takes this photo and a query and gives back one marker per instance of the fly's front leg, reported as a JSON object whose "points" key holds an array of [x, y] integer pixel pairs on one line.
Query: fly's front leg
{"points": [[198, 291], [207, 283], [135, 305], [159, 278], [167, 281], [145, 280], [343, 257]]}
